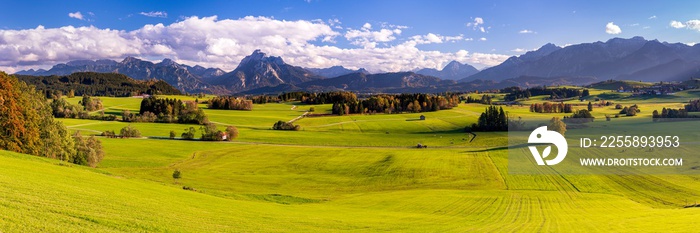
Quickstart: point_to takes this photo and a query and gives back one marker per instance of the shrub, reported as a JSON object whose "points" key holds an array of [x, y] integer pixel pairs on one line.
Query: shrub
{"points": [[109, 134], [130, 132], [210, 133], [177, 174], [281, 125], [189, 134], [580, 116], [231, 132], [172, 134]]}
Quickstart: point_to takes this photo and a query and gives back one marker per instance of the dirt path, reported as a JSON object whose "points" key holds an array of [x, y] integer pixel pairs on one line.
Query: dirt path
{"points": [[299, 117]]}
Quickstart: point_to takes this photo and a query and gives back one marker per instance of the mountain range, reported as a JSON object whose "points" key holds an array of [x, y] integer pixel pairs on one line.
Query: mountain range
{"points": [[452, 71], [634, 58], [183, 77], [630, 59]]}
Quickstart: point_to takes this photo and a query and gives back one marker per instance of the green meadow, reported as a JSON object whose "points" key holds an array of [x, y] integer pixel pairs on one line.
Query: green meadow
{"points": [[353, 173]]}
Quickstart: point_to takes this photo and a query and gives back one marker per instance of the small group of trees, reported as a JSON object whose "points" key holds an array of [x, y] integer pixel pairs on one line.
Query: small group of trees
{"points": [[548, 107], [230, 103], [126, 132], [693, 106], [485, 99], [60, 108], [128, 116], [88, 151], [129, 132], [630, 111], [168, 111], [282, 125], [492, 119], [209, 133], [580, 116], [669, 113], [91, 104]]}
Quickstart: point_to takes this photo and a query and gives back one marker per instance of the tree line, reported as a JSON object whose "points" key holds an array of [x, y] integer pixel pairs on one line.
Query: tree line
{"points": [[97, 84], [230, 103], [28, 126], [485, 99], [515, 93], [386, 103], [548, 107], [60, 108]]}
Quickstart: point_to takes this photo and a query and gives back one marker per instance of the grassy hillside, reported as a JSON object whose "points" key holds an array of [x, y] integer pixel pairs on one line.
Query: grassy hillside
{"points": [[353, 173]]}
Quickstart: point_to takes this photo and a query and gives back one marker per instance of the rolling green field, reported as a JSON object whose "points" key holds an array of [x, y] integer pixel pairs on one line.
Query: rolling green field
{"points": [[355, 173]]}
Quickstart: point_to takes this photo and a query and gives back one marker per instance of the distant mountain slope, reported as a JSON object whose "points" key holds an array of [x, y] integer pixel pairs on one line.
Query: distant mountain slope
{"points": [[452, 71], [98, 84], [612, 59], [335, 71], [173, 73], [259, 70], [400, 82], [676, 70], [359, 81]]}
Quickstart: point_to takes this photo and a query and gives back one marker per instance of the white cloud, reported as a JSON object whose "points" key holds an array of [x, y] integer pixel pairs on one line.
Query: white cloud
{"points": [[652, 17], [519, 50], [156, 14], [691, 43], [677, 24], [76, 15], [211, 42], [693, 24], [482, 39], [476, 22], [365, 37], [690, 24], [525, 31], [433, 38], [634, 25], [613, 29]]}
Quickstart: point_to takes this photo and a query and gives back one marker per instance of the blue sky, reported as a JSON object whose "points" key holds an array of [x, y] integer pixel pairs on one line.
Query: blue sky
{"points": [[378, 35]]}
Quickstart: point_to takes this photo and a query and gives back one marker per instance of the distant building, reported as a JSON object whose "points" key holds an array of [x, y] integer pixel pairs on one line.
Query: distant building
{"points": [[422, 118]]}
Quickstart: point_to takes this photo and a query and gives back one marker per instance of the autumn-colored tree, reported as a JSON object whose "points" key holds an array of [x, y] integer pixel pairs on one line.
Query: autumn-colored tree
{"points": [[88, 151], [555, 124], [19, 118], [231, 132], [27, 126]]}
